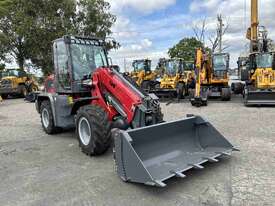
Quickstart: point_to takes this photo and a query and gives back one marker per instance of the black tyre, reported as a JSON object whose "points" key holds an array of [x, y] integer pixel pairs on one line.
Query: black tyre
{"points": [[93, 130], [233, 87], [145, 86], [4, 96], [22, 90], [159, 116], [181, 91], [245, 97], [47, 119], [244, 74], [226, 94]]}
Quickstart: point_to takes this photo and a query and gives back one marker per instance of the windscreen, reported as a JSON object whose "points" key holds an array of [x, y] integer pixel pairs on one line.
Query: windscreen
{"points": [[142, 65], [188, 66], [264, 60], [10, 73], [172, 67], [86, 58], [220, 62]]}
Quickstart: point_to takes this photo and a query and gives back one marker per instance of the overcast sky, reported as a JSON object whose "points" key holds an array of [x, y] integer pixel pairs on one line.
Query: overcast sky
{"points": [[148, 28]]}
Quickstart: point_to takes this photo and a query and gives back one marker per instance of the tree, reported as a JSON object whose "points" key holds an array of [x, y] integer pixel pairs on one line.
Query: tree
{"points": [[186, 49], [27, 28], [2, 66], [216, 40], [11, 35]]}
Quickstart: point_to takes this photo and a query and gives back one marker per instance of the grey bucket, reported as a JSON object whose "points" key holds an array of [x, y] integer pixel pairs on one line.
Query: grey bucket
{"points": [[153, 154], [260, 97]]}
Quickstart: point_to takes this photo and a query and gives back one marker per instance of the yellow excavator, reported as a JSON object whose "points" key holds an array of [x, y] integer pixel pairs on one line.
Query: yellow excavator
{"points": [[259, 72], [211, 76], [174, 78]]}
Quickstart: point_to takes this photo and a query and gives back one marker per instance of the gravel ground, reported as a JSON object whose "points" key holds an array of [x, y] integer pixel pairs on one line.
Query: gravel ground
{"points": [[37, 169]]}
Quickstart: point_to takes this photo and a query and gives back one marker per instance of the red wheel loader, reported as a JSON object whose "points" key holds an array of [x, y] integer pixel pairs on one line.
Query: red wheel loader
{"points": [[101, 104]]}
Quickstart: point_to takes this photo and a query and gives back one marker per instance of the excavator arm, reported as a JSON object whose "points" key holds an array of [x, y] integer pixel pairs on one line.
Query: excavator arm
{"points": [[200, 98]]}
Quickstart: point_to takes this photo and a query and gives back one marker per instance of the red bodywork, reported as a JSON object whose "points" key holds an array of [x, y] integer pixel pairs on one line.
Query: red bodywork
{"points": [[104, 81]]}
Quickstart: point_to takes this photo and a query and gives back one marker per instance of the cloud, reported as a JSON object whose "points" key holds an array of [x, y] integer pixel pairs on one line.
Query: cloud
{"points": [[142, 6], [124, 59], [199, 5], [142, 35], [129, 50], [123, 28], [237, 14]]}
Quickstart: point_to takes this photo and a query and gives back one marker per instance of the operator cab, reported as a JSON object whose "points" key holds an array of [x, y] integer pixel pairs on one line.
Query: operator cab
{"points": [[75, 59], [188, 66], [220, 64], [14, 73], [140, 65], [264, 60], [174, 66]]}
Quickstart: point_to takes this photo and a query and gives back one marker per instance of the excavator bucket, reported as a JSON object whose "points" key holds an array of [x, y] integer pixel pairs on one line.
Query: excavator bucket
{"points": [[260, 97], [154, 154]]}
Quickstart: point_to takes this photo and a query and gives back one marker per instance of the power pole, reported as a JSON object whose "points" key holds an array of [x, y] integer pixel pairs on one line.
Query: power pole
{"points": [[220, 31]]}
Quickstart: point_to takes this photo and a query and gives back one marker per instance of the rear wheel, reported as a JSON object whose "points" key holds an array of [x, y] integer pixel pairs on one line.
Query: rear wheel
{"points": [[4, 96], [180, 91], [47, 118], [245, 97], [145, 86], [226, 94], [93, 130], [22, 90]]}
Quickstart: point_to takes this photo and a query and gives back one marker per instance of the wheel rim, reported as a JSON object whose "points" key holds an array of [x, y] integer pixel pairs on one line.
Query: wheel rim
{"points": [[45, 117], [84, 131]]}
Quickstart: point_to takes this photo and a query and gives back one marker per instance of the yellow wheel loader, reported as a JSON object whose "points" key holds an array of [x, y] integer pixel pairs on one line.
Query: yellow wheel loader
{"points": [[16, 82], [259, 72], [142, 74], [212, 77], [174, 79]]}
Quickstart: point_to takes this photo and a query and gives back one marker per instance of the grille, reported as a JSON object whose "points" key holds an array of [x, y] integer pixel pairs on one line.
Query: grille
{"points": [[5, 83]]}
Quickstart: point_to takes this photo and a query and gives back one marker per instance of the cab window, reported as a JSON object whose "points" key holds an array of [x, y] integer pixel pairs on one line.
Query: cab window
{"points": [[61, 63]]}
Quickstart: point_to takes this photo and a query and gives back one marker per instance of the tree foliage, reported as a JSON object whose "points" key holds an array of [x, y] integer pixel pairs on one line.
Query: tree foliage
{"points": [[186, 48], [28, 27]]}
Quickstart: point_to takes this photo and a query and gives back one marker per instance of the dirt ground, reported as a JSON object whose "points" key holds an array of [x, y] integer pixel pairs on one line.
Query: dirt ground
{"points": [[38, 169]]}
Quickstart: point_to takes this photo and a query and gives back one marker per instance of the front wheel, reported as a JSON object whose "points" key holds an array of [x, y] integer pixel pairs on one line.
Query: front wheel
{"points": [[180, 91], [4, 96], [22, 90], [226, 94], [145, 86], [93, 130]]}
